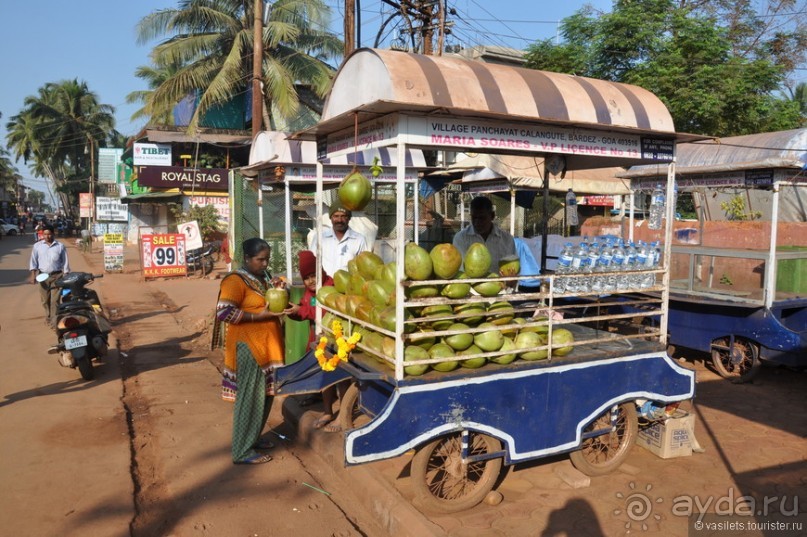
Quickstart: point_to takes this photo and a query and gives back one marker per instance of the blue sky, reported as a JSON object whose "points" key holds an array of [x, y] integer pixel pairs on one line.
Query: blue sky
{"points": [[94, 41]]}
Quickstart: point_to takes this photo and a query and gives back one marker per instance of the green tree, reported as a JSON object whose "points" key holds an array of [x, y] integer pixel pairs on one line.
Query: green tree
{"points": [[10, 177], [716, 66], [158, 113], [59, 132], [212, 41], [206, 217]]}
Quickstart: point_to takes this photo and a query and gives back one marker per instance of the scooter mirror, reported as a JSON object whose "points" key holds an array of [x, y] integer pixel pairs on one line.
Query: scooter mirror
{"points": [[42, 276]]}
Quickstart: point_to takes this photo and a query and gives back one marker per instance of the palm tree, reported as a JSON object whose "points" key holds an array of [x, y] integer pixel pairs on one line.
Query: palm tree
{"points": [[213, 41], [59, 130], [155, 75]]}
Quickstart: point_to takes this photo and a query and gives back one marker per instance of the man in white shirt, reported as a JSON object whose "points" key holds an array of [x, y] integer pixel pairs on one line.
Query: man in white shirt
{"points": [[340, 244], [49, 256], [499, 242]]}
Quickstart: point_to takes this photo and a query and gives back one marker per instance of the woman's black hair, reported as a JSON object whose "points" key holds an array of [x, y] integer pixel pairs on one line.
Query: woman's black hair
{"points": [[254, 246]]}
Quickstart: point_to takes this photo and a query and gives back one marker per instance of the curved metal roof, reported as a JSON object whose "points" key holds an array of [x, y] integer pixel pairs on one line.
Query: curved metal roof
{"points": [[780, 149], [385, 81]]}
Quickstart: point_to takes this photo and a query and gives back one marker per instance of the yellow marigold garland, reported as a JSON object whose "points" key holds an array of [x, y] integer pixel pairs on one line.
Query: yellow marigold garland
{"points": [[343, 347]]}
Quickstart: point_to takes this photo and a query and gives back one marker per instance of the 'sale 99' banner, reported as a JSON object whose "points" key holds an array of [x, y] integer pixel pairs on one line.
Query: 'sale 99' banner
{"points": [[163, 255]]}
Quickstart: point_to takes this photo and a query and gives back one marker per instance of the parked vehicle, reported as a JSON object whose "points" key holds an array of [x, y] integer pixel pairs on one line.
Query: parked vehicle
{"points": [[8, 228], [81, 325], [200, 260]]}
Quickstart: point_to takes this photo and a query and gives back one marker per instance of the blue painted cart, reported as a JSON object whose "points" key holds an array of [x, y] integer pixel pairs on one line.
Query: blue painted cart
{"points": [[738, 290], [579, 398], [468, 422]]}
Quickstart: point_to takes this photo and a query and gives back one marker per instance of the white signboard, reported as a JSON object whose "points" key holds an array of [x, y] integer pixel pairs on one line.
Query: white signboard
{"points": [[493, 136], [152, 154], [108, 161], [193, 237], [375, 133], [111, 209], [470, 134]]}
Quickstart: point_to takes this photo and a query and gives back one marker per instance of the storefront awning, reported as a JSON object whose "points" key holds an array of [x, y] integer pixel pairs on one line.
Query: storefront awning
{"points": [[273, 148]]}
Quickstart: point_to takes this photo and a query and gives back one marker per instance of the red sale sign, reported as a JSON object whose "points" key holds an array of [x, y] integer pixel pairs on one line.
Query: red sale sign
{"points": [[163, 255]]}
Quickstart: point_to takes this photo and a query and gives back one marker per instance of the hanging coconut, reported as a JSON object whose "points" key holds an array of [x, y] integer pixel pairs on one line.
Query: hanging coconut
{"points": [[355, 191]]}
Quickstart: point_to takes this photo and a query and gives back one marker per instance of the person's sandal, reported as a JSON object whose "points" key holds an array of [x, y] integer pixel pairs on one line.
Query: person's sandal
{"points": [[255, 459]]}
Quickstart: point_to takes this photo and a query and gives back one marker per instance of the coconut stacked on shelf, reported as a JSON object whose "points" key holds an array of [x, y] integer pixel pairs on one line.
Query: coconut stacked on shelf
{"points": [[452, 316]]}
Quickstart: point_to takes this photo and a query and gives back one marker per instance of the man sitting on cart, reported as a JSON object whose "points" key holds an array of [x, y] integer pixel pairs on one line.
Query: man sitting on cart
{"points": [[499, 242]]}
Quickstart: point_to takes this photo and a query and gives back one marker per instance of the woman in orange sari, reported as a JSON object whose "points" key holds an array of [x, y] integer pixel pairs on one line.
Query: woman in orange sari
{"points": [[253, 346]]}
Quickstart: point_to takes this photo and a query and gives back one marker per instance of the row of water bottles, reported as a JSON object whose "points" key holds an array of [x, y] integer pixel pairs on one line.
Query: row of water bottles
{"points": [[609, 263]]}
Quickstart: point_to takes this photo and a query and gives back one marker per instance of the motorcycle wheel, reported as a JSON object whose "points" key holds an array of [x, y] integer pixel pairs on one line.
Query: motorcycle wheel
{"points": [[85, 368]]}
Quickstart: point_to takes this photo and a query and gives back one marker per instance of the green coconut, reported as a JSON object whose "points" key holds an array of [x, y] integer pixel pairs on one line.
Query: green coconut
{"points": [[477, 261], [507, 346], [489, 338], [473, 363], [355, 191], [368, 264], [446, 261], [415, 353], [417, 263], [442, 350], [526, 343], [341, 280], [459, 342]]}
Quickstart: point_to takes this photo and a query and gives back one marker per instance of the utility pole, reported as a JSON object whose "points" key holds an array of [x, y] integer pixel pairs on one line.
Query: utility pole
{"points": [[428, 15], [350, 26], [257, 68]]}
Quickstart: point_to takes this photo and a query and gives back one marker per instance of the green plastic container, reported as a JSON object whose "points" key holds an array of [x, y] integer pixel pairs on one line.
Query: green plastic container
{"points": [[296, 331], [791, 274]]}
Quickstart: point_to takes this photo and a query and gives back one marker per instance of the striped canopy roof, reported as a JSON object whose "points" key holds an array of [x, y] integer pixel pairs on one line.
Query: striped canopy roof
{"points": [[378, 82]]}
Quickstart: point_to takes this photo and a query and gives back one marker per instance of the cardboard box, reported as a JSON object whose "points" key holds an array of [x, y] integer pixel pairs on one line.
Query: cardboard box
{"points": [[672, 437]]}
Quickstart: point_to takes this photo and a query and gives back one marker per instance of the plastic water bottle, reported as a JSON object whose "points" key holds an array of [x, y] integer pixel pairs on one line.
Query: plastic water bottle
{"points": [[564, 267], [654, 261], [620, 262], [642, 256], [599, 281], [656, 208]]}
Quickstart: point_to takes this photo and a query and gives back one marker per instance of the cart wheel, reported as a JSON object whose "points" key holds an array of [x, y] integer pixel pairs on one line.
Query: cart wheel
{"points": [[350, 414], [740, 363], [600, 455], [444, 483]]}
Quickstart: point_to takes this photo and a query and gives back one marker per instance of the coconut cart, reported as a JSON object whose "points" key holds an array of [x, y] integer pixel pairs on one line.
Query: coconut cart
{"points": [[738, 276], [467, 412]]}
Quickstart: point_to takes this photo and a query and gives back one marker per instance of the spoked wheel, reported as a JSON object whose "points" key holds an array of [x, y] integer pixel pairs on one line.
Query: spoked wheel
{"points": [[739, 362], [444, 482], [602, 454], [350, 413]]}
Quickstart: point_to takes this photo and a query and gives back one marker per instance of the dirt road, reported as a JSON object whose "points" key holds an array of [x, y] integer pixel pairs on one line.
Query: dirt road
{"points": [[144, 448]]}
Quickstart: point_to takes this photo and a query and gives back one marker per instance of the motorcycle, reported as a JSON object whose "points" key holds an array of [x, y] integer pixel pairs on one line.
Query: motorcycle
{"points": [[201, 260], [81, 325]]}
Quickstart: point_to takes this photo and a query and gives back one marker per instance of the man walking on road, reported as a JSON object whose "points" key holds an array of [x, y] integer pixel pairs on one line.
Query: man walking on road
{"points": [[48, 256]]}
